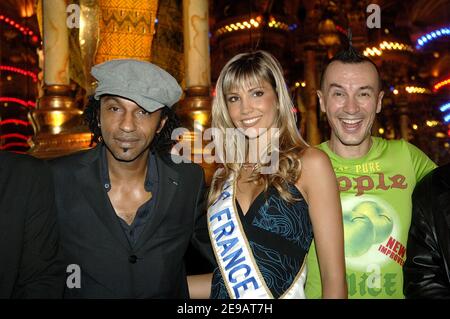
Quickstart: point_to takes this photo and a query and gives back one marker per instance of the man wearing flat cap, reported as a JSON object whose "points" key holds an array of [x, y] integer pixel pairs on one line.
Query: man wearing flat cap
{"points": [[127, 212]]}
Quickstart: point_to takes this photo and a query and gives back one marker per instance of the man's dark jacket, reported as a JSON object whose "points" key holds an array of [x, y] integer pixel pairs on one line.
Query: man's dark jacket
{"points": [[29, 240], [92, 237], [427, 267]]}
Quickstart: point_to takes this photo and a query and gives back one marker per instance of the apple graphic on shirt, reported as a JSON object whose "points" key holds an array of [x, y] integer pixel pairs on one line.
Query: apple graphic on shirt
{"points": [[381, 221], [359, 234]]}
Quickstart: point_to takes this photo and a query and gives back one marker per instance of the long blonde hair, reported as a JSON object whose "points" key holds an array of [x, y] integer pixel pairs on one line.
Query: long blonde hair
{"points": [[244, 70]]}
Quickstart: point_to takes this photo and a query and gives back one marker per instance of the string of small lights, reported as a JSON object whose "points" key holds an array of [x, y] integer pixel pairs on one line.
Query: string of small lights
{"points": [[255, 23], [387, 46], [431, 36], [440, 84], [15, 121], [5, 99], [19, 71], [21, 28]]}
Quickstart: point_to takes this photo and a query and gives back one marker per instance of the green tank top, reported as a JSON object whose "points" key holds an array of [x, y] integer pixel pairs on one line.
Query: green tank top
{"points": [[375, 194]]}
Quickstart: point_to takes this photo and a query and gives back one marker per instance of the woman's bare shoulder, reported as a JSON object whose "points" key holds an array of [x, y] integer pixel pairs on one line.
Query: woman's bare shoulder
{"points": [[313, 159]]}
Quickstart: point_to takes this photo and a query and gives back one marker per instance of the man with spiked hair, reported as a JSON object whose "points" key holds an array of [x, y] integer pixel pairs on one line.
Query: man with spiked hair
{"points": [[376, 179]]}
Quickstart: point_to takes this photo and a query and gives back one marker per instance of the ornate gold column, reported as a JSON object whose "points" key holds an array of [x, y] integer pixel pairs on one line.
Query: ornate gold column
{"points": [[312, 129], [404, 121], [310, 46], [196, 43], [195, 112], [302, 113], [88, 40], [126, 29], [197, 103], [56, 120]]}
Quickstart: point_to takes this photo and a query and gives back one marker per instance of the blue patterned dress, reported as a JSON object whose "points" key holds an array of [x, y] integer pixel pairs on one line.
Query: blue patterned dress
{"points": [[279, 234]]}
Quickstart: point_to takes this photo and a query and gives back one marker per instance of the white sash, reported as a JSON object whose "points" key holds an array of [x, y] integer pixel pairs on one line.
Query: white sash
{"points": [[240, 272]]}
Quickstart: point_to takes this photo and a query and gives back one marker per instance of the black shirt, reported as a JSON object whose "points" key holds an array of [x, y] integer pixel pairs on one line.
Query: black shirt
{"points": [[144, 212]]}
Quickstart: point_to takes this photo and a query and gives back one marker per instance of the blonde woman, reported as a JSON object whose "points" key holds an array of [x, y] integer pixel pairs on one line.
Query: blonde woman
{"points": [[274, 196]]}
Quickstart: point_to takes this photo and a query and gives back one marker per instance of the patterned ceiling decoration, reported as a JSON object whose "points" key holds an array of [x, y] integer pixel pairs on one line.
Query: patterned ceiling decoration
{"points": [[126, 29]]}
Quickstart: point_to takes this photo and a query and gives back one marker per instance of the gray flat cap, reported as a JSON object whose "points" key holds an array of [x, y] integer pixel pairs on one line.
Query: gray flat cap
{"points": [[144, 83]]}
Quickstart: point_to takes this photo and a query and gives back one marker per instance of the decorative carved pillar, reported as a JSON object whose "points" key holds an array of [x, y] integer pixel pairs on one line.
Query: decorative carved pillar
{"points": [[302, 113], [126, 29], [312, 128], [196, 43], [88, 39], [404, 121], [56, 120], [195, 112], [197, 103], [310, 48]]}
